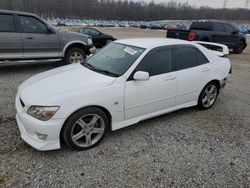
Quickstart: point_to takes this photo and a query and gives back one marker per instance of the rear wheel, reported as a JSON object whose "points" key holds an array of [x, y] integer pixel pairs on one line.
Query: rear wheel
{"points": [[85, 129], [75, 55], [208, 96], [239, 49]]}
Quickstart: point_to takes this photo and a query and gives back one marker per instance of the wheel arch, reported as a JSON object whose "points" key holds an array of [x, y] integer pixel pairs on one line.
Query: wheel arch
{"points": [[217, 82], [78, 44], [105, 110]]}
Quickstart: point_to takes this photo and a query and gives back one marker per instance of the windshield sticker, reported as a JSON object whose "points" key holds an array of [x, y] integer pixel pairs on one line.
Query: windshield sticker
{"points": [[130, 51]]}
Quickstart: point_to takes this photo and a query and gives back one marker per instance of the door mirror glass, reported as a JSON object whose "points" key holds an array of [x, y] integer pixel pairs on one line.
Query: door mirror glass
{"points": [[141, 76]]}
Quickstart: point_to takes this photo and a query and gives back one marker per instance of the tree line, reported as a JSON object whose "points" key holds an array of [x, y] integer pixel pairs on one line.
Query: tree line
{"points": [[122, 10]]}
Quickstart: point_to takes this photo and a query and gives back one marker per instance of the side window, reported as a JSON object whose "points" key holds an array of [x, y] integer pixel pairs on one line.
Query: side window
{"points": [[84, 31], [94, 32], [156, 62], [219, 27], [185, 57], [229, 28], [201, 58], [7, 23], [32, 25]]}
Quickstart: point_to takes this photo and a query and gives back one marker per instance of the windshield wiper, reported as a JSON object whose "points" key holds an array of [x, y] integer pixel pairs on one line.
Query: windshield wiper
{"points": [[91, 67], [107, 72]]}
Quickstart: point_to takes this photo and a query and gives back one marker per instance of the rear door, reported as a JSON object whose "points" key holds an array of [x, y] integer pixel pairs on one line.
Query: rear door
{"points": [[193, 72], [223, 34], [10, 39], [37, 41], [157, 93]]}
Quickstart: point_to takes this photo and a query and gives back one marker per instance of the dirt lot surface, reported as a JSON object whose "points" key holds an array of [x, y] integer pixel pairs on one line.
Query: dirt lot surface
{"points": [[188, 148]]}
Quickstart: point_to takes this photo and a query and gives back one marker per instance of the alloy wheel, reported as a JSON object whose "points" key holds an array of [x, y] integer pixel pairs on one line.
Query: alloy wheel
{"points": [[88, 130], [209, 96]]}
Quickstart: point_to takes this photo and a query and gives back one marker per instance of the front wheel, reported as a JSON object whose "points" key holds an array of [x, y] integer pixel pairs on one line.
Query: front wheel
{"points": [[85, 128], [208, 96], [75, 55], [239, 49]]}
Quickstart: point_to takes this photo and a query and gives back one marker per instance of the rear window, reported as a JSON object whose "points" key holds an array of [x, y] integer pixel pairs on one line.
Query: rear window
{"points": [[7, 23], [201, 58], [201, 26]]}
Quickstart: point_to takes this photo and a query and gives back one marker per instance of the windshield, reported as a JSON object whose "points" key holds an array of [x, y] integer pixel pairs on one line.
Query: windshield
{"points": [[114, 60]]}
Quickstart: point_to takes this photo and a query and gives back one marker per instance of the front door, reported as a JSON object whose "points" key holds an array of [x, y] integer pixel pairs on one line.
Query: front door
{"points": [[10, 39], [37, 41], [157, 93]]}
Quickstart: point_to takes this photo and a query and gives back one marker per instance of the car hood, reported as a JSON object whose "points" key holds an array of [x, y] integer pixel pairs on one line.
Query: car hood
{"points": [[61, 83], [72, 34]]}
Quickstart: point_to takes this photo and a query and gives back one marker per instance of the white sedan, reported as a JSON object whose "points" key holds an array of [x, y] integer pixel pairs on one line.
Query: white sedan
{"points": [[126, 82]]}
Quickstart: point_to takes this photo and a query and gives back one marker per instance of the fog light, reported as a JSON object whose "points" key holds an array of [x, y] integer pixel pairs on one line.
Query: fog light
{"points": [[42, 136]]}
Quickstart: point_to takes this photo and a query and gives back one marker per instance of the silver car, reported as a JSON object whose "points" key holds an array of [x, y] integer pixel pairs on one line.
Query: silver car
{"points": [[25, 36]]}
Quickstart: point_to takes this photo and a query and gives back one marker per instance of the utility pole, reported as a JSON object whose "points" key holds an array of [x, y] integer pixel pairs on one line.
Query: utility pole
{"points": [[247, 3], [225, 3]]}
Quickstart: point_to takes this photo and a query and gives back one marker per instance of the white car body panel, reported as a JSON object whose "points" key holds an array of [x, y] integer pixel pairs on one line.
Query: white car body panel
{"points": [[74, 87]]}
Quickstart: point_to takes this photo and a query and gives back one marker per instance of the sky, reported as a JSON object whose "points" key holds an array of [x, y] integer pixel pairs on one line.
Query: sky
{"points": [[212, 3]]}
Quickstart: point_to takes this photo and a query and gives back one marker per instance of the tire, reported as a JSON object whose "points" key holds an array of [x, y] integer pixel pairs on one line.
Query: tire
{"points": [[74, 55], [85, 129], [208, 96], [240, 48]]}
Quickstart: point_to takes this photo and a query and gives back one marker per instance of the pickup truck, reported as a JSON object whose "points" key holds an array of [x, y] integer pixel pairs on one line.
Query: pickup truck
{"points": [[212, 31], [25, 36]]}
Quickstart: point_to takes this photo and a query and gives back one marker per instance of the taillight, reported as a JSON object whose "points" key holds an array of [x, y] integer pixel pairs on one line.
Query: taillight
{"points": [[191, 36]]}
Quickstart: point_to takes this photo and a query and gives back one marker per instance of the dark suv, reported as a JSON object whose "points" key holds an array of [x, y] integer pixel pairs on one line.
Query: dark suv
{"points": [[212, 31], [25, 36]]}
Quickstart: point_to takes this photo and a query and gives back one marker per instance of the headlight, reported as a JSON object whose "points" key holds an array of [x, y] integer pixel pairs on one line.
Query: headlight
{"points": [[42, 113], [90, 42]]}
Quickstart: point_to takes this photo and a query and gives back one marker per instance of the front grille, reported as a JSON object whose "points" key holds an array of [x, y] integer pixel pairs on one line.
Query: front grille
{"points": [[23, 105]]}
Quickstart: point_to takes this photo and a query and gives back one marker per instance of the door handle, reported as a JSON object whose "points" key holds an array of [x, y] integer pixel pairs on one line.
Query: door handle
{"points": [[171, 77], [205, 69], [29, 38]]}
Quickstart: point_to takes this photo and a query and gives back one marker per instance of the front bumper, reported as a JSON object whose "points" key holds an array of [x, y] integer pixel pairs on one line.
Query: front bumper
{"points": [[30, 128]]}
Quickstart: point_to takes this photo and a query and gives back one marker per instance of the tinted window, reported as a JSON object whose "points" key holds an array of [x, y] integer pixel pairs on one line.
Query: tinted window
{"points": [[185, 57], [7, 23], [219, 27], [156, 62], [32, 25], [201, 58], [229, 28], [201, 26], [94, 32]]}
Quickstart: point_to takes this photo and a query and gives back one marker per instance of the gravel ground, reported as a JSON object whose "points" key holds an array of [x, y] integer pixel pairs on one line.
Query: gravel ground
{"points": [[188, 148]]}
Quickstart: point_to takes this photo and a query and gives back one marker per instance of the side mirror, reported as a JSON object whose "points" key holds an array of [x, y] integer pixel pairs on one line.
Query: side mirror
{"points": [[50, 31], [234, 32], [141, 76]]}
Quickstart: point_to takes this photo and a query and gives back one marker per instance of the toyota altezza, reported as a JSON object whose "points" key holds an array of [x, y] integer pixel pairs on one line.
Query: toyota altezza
{"points": [[126, 82]]}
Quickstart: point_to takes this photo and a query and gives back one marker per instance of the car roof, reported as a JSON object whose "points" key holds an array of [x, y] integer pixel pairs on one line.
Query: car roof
{"points": [[152, 42], [15, 12]]}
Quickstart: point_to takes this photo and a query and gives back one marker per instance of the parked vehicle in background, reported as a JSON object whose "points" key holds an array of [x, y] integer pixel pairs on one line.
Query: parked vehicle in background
{"points": [[25, 36], [99, 39], [131, 80], [212, 31]]}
